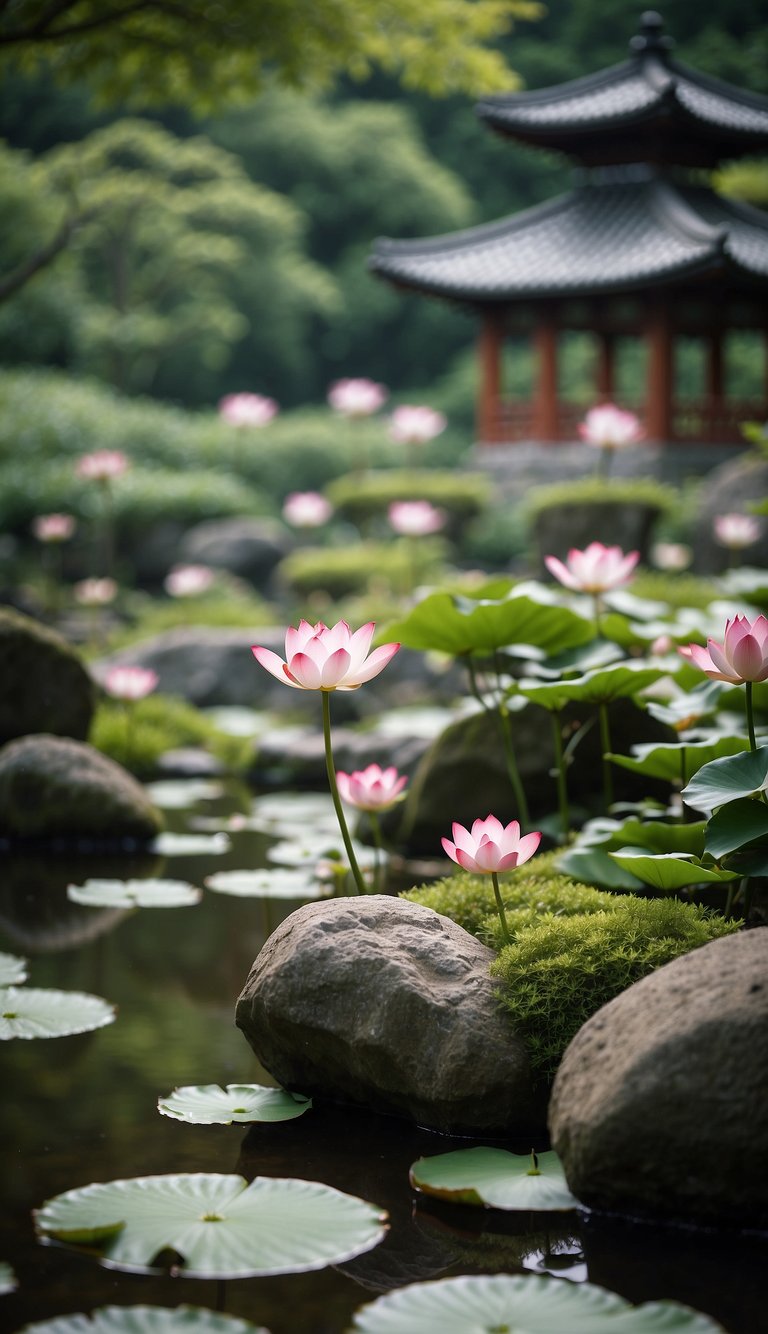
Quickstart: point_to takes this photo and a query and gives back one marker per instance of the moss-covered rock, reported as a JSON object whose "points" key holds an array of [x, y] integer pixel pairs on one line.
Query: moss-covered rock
{"points": [[44, 686], [54, 787]]}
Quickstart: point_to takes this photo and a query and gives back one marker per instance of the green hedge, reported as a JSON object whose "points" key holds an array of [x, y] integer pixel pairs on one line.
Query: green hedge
{"points": [[344, 571], [596, 490], [368, 496]]}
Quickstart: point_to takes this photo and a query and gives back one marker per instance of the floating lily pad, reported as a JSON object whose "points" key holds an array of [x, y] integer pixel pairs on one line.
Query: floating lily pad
{"points": [[488, 1303], [209, 1104], [29, 1012], [300, 852], [495, 1178], [12, 970], [135, 894], [7, 1279], [266, 884], [284, 812], [146, 1320], [177, 794], [219, 1226], [169, 844]]}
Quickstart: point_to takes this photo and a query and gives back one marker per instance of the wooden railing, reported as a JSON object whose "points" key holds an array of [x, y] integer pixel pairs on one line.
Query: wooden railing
{"points": [[699, 421]]}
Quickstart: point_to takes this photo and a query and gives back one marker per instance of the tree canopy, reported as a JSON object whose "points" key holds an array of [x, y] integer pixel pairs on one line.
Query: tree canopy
{"points": [[200, 53]]}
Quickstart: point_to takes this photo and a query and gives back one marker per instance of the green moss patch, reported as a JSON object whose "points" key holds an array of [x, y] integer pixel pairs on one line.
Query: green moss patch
{"points": [[137, 736]]}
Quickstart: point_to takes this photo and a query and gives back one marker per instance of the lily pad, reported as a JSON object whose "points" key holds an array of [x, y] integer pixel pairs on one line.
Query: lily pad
{"points": [[266, 884], [284, 812], [219, 1226], [8, 1281], [209, 1104], [299, 852], [495, 1178], [525, 1304], [146, 1320], [177, 794], [169, 844], [30, 1012], [135, 894], [13, 970]]}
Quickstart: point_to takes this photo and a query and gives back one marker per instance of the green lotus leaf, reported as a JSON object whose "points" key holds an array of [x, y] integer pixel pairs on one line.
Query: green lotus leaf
{"points": [[577, 661], [594, 866], [135, 894], [266, 884], [736, 824], [146, 1320], [727, 780], [178, 793], [665, 761], [495, 1178], [669, 871], [29, 1012], [169, 844], [528, 614], [13, 970], [521, 1304], [685, 710], [209, 1104], [8, 1282], [629, 604], [219, 1225]]}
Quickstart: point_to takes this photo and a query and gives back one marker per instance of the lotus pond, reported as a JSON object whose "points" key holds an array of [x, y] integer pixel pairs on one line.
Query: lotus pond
{"points": [[82, 1109]]}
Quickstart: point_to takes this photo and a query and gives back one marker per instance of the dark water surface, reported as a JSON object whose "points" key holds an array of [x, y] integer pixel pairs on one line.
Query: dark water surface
{"points": [[82, 1109]]}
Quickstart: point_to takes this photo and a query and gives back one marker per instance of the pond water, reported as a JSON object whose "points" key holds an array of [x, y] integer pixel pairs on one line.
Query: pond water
{"points": [[82, 1109]]}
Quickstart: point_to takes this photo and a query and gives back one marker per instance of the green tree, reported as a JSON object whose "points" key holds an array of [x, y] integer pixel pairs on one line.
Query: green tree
{"points": [[183, 258], [197, 53]]}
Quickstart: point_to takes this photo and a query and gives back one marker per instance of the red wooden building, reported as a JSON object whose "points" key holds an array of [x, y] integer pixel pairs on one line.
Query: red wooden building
{"points": [[641, 246]]}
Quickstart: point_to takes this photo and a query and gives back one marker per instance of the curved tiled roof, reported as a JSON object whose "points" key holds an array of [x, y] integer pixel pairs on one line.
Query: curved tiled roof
{"points": [[600, 238], [648, 107]]}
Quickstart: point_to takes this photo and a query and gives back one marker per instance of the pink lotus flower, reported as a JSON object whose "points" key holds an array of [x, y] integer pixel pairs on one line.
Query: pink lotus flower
{"points": [[671, 555], [609, 427], [371, 789], [130, 683], [319, 658], [411, 425], [188, 581], [356, 398], [103, 465], [247, 409], [736, 530], [595, 570], [490, 846], [741, 658], [415, 518], [307, 509], [95, 592], [53, 527]]}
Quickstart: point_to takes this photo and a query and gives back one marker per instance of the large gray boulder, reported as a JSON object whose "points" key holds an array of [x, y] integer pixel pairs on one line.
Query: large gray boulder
{"points": [[658, 1106], [388, 1005], [54, 787], [44, 686], [250, 548]]}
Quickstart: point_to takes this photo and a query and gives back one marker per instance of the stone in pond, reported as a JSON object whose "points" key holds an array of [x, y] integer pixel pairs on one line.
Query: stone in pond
{"points": [[388, 1005], [658, 1106], [54, 787], [44, 686]]}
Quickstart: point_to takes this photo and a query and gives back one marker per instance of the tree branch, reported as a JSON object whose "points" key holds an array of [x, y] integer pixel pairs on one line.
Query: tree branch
{"points": [[20, 276]]}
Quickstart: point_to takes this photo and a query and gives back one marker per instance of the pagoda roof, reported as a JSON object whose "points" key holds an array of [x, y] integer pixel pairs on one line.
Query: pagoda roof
{"points": [[605, 236], [649, 108]]}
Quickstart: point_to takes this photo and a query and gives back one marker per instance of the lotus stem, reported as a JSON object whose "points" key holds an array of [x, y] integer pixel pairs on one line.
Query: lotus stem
{"points": [[331, 771], [598, 611], [378, 840], [605, 745], [500, 909], [750, 715], [512, 769], [562, 783]]}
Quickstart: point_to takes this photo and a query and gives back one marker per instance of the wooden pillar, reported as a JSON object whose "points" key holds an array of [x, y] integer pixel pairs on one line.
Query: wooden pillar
{"points": [[545, 407], [489, 391], [606, 366], [659, 406], [715, 385]]}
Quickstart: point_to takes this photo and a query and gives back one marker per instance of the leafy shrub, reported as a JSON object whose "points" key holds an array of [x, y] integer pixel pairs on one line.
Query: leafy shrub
{"points": [[342, 571], [462, 495], [596, 490], [558, 971], [138, 735], [683, 590]]}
